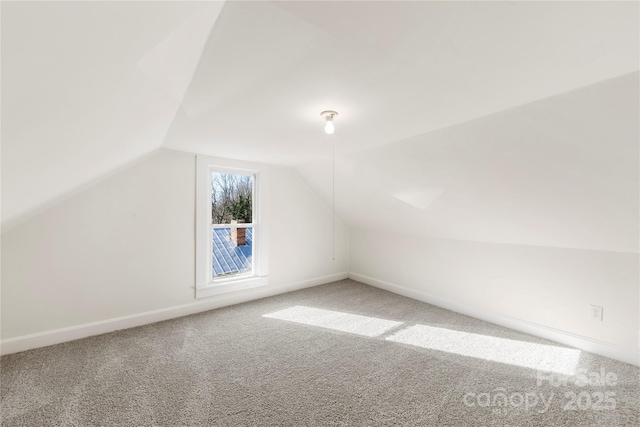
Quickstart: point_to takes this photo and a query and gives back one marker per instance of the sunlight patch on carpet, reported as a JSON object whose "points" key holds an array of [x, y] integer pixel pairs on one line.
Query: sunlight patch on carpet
{"points": [[495, 349], [345, 322]]}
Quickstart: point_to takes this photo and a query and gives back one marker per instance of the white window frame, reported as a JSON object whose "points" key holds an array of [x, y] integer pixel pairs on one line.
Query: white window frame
{"points": [[206, 284]]}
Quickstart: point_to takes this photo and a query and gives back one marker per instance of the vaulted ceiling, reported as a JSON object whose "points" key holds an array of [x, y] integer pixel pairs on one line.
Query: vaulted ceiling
{"points": [[450, 113]]}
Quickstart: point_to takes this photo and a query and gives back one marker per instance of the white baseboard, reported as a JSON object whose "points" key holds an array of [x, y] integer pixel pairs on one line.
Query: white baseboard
{"points": [[611, 351], [57, 336]]}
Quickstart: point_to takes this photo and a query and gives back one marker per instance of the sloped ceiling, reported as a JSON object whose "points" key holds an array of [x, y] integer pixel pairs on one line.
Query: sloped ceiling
{"points": [[88, 87], [391, 69], [496, 121], [559, 172]]}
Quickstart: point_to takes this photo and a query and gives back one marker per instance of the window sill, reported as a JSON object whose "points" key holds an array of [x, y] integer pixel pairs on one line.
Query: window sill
{"points": [[230, 285]]}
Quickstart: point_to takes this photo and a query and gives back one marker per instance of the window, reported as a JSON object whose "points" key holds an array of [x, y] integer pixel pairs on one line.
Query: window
{"points": [[228, 227]]}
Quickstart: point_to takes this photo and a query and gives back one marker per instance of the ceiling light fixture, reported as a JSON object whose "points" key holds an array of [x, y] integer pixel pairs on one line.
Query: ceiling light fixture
{"points": [[328, 116], [328, 128]]}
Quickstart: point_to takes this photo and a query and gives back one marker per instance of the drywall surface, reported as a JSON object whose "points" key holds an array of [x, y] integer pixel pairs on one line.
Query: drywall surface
{"points": [[125, 246], [99, 80], [532, 212], [560, 172], [551, 287]]}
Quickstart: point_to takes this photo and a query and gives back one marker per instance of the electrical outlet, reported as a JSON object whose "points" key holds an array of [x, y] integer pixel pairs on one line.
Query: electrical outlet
{"points": [[595, 312]]}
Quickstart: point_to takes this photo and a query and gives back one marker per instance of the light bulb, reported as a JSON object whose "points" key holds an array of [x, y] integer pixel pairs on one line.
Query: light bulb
{"points": [[328, 127], [328, 116]]}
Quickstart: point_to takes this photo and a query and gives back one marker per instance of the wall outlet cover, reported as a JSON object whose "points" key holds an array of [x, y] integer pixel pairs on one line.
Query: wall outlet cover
{"points": [[595, 312]]}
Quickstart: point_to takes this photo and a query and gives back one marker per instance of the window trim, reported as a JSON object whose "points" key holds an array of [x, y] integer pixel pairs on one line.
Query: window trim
{"points": [[206, 284]]}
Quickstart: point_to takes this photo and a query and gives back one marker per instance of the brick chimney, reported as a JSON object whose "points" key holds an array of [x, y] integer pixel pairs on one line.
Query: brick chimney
{"points": [[238, 235]]}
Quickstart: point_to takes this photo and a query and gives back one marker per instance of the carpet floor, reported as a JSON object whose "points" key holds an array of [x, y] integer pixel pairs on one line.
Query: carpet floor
{"points": [[337, 354]]}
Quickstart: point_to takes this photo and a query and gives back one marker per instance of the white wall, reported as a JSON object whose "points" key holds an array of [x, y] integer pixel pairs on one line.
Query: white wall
{"points": [[552, 287], [531, 213], [125, 246]]}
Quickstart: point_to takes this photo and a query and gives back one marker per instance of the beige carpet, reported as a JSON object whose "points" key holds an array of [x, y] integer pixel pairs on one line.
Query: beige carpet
{"points": [[337, 354]]}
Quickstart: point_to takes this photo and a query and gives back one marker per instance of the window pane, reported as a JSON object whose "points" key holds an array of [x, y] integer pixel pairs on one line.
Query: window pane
{"points": [[231, 198], [232, 252], [231, 204]]}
